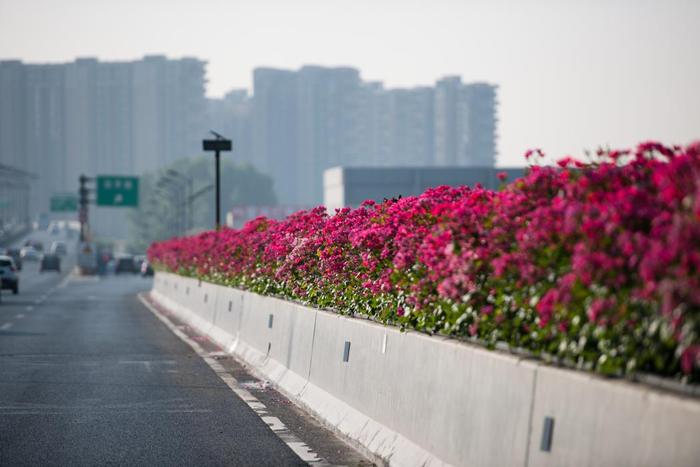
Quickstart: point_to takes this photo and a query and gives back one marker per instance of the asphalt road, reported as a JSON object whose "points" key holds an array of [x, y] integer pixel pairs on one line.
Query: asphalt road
{"points": [[88, 377]]}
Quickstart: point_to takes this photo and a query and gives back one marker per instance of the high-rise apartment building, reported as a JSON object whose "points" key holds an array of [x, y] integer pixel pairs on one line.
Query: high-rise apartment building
{"points": [[481, 122], [231, 116], [328, 119], [45, 129], [275, 134], [168, 110], [304, 122], [411, 118], [13, 111], [464, 123]]}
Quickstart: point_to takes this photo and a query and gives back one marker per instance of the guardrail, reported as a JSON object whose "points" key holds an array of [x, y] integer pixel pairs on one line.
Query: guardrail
{"points": [[412, 399]]}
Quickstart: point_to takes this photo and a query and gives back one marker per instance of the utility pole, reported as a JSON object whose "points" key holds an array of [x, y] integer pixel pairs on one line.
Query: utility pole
{"points": [[172, 190], [217, 145], [83, 201], [187, 181]]}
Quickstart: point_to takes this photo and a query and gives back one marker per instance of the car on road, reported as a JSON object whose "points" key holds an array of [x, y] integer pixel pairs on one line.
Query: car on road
{"points": [[29, 253], [125, 263], [138, 261], [15, 255], [146, 268], [50, 262], [8, 274], [59, 248]]}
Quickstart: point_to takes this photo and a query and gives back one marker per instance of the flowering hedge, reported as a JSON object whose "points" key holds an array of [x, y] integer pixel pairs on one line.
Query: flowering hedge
{"points": [[596, 264]]}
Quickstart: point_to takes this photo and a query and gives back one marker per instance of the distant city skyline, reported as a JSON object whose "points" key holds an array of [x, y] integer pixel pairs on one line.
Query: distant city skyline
{"points": [[572, 74], [92, 117]]}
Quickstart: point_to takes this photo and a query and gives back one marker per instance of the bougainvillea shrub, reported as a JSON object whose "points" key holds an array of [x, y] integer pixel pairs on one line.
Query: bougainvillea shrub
{"points": [[595, 264]]}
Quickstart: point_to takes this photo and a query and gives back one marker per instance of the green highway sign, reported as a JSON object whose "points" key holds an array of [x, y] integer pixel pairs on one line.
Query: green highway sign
{"points": [[67, 202], [117, 190]]}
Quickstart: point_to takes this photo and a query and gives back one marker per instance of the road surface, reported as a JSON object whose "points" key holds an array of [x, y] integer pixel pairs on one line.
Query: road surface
{"points": [[89, 376]]}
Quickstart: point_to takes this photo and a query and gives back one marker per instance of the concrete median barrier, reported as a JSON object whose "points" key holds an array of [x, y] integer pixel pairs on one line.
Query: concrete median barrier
{"points": [[412, 399]]}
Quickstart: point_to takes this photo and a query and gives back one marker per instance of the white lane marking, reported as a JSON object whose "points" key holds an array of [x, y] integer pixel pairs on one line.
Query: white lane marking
{"points": [[276, 425], [78, 278], [5, 326], [29, 308], [147, 364], [65, 281], [19, 316]]}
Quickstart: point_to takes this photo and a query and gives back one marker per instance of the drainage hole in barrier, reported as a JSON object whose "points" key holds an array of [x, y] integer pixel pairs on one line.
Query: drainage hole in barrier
{"points": [[269, 321], [230, 304], [206, 297], [269, 346], [547, 433], [187, 291], [346, 351]]}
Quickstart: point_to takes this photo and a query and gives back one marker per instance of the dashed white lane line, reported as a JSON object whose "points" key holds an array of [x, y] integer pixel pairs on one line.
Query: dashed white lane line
{"points": [[278, 427], [5, 326], [29, 308], [65, 281], [19, 315]]}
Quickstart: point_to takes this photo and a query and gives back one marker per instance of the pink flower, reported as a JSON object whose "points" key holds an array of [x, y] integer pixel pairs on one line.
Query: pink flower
{"points": [[689, 358]]}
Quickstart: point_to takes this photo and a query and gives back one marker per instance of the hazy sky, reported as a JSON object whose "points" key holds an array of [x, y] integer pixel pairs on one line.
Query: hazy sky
{"points": [[573, 74]]}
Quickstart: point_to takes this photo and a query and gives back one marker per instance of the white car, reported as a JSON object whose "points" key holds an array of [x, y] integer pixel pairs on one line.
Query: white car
{"points": [[8, 274], [28, 253]]}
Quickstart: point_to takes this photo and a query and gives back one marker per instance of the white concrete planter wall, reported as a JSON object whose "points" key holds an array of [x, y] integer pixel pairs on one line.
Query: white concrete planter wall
{"points": [[413, 399]]}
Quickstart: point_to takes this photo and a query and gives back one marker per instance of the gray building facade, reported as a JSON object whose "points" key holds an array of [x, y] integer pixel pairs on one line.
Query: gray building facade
{"points": [[350, 186]]}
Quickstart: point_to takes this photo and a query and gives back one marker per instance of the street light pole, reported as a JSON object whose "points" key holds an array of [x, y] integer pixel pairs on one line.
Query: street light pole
{"points": [[188, 182], [217, 145], [218, 190], [176, 194]]}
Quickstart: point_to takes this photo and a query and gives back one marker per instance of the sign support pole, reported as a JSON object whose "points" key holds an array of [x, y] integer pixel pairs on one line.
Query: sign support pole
{"points": [[218, 190], [217, 145], [83, 202]]}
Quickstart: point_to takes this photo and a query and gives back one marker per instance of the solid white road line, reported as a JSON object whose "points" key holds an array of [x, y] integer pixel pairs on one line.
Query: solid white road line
{"points": [[300, 448], [5, 326]]}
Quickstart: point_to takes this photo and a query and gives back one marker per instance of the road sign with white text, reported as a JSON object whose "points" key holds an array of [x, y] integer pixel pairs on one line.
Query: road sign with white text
{"points": [[64, 203], [117, 191]]}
